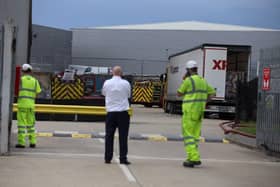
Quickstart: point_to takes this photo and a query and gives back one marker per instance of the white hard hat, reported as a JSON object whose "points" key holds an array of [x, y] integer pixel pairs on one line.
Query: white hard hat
{"points": [[191, 64], [26, 67]]}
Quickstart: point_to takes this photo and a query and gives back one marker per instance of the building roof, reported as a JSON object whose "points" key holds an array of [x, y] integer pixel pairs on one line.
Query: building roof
{"points": [[185, 25]]}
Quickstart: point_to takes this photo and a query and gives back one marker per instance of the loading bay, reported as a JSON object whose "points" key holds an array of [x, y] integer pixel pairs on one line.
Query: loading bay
{"points": [[71, 154]]}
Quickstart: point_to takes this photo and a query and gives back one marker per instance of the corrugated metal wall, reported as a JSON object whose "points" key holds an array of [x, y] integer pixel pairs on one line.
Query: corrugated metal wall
{"points": [[268, 119], [51, 48], [147, 51]]}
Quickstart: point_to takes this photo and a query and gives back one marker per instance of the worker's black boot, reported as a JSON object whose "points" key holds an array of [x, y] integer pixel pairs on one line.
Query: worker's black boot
{"points": [[20, 146], [188, 164], [196, 163]]}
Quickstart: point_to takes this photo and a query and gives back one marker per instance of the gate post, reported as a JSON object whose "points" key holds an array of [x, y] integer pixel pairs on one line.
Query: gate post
{"points": [[6, 84]]}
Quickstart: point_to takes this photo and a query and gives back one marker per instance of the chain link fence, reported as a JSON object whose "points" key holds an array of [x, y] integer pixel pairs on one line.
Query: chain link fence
{"points": [[50, 63], [129, 65]]}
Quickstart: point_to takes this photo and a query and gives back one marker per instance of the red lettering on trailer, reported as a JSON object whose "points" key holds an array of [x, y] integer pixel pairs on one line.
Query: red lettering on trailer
{"points": [[219, 64]]}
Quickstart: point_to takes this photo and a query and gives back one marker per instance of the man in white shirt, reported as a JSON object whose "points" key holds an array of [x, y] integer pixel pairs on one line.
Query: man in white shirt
{"points": [[117, 91]]}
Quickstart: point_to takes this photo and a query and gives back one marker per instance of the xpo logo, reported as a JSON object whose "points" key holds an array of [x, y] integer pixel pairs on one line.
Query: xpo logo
{"points": [[219, 64]]}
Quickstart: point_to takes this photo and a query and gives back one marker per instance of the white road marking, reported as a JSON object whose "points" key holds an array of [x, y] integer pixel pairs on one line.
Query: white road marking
{"points": [[101, 140], [259, 162], [126, 171], [101, 133], [124, 168], [66, 132], [264, 162], [72, 155], [15, 131]]}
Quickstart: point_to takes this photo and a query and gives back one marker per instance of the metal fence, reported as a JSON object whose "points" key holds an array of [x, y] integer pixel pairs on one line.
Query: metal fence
{"points": [[50, 63], [246, 106], [268, 118]]}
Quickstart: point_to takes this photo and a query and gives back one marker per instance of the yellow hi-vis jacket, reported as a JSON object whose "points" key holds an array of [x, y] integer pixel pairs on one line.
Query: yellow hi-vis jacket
{"points": [[196, 91], [29, 88]]}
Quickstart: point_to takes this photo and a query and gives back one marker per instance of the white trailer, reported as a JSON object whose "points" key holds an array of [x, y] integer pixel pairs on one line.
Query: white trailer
{"points": [[221, 65]]}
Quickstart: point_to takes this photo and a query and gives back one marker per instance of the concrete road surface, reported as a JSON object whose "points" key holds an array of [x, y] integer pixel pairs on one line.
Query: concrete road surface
{"points": [[68, 161]]}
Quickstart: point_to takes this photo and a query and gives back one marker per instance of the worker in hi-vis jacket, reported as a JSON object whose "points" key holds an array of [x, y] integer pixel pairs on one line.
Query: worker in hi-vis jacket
{"points": [[28, 90], [195, 91]]}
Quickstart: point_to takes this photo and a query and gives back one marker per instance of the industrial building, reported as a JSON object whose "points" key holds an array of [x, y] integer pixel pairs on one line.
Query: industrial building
{"points": [[144, 49], [50, 49]]}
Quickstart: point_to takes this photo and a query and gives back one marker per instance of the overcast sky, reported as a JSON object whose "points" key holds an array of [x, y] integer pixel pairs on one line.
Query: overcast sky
{"points": [[92, 13]]}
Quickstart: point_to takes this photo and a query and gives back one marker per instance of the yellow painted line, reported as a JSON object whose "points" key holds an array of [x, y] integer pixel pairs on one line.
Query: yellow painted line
{"points": [[81, 135], [158, 138], [202, 139], [225, 141], [44, 134]]}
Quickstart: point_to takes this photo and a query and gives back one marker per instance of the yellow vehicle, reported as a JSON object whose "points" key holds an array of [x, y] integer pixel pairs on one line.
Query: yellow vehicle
{"points": [[67, 90], [147, 92]]}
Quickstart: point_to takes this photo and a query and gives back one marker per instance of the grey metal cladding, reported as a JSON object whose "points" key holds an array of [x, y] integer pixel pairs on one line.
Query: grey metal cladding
{"points": [[51, 48], [153, 47]]}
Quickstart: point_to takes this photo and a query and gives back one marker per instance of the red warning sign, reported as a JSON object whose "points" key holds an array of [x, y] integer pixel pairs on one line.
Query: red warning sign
{"points": [[266, 79]]}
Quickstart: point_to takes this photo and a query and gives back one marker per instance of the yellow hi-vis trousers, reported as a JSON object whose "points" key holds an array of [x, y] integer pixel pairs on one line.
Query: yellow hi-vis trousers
{"points": [[191, 127], [26, 122]]}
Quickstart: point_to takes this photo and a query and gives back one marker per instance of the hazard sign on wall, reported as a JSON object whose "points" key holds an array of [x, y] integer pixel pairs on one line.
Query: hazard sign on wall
{"points": [[266, 79]]}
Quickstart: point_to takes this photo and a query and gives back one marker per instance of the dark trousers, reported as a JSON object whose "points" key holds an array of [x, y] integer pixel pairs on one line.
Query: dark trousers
{"points": [[115, 120]]}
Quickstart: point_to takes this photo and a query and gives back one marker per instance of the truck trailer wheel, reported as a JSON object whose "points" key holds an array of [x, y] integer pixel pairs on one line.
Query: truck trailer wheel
{"points": [[166, 107], [227, 116], [170, 108]]}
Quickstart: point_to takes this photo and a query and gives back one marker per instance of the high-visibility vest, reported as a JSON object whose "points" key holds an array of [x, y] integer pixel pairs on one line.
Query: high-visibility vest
{"points": [[196, 91], [29, 88]]}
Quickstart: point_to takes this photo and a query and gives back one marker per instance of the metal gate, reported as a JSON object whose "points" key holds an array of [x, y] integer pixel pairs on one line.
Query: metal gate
{"points": [[268, 118]]}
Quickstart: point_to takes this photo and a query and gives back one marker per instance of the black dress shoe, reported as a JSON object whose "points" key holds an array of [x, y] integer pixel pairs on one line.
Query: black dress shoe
{"points": [[188, 164], [20, 146], [32, 145], [125, 162], [107, 162]]}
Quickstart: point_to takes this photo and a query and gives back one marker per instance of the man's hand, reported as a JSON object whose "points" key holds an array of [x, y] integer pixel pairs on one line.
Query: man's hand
{"points": [[210, 96], [179, 94]]}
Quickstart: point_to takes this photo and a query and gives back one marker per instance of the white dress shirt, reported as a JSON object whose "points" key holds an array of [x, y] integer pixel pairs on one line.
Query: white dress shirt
{"points": [[116, 91]]}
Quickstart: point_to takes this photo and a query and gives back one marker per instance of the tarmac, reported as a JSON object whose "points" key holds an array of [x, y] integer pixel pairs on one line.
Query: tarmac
{"points": [[71, 154]]}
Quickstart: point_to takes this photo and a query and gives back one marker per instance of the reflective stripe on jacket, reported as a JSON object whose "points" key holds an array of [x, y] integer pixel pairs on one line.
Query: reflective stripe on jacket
{"points": [[196, 91], [29, 88]]}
